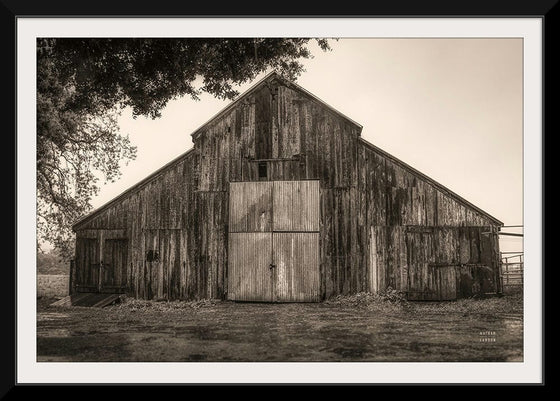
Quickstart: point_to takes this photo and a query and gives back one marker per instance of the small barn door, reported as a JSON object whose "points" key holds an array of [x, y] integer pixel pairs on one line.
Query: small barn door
{"points": [[274, 241], [488, 276], [113, 274], [87, 264], [101, 257], [427, 280]]}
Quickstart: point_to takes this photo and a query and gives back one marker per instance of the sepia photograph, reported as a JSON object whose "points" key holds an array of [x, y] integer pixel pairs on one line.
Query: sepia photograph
{"points": [[281, 199]]}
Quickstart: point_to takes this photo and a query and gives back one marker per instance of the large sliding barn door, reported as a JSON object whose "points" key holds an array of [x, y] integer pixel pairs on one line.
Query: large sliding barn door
{"points": [[274, 241]]}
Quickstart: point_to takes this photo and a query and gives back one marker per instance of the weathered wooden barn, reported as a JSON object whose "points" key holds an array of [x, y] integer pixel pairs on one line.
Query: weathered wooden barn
{"points": [[281, 200]]}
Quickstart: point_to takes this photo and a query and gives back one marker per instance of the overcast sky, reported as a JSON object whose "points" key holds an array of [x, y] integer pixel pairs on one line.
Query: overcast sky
{"points": [[451, 108]]}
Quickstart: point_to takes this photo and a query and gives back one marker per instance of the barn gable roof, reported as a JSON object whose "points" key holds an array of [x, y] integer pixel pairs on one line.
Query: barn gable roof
{"points": [[197, 132], [133, 188], [430, 180], [266, 80], [269, 78]]}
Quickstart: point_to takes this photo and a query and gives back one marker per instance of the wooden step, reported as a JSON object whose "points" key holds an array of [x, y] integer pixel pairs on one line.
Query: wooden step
{"points": [[92, 299]]}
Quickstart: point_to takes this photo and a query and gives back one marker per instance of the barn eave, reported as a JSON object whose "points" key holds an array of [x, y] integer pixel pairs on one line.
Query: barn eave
{"points": [[129, 191], [430, 180]]}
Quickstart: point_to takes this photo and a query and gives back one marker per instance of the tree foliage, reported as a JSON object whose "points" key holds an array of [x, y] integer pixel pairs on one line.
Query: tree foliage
{"points": [[83, 85], [51, 262]]}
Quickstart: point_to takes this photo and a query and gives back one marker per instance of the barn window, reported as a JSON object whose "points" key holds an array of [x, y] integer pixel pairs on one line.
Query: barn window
{"points": [[152, 255], [263, 170]]}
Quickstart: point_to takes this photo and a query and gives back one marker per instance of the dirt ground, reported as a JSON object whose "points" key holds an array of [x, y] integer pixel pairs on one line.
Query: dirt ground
{"points": [[357, 328]]}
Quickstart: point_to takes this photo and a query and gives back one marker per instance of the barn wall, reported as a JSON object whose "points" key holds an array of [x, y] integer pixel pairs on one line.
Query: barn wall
{"points": [[160, 215], [369, 203], [304, 141], [182, 212], [409, 226]]}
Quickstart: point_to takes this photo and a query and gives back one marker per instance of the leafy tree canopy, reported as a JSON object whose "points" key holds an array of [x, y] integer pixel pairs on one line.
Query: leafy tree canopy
{"points": [[83, 85]]}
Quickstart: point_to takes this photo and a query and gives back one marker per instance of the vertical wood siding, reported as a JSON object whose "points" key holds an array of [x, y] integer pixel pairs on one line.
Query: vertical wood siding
{"points": [[250, 277], [162, 215], [295, 206], [296, 256], [367, 203], [309, 142], [114, 263], [87, 252], [412, 225]]}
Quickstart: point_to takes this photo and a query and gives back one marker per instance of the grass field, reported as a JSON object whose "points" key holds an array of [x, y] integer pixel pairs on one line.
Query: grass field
{"points": [[355, 328], [52, 285]]}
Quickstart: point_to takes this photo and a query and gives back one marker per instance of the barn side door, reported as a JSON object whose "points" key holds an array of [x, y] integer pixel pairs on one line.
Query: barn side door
{"points": [[87, 264], [428, 280], [101, 257], [113, 273], [250, 272]]}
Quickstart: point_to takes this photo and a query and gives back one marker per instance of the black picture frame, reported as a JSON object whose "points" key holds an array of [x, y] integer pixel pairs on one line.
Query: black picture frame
{"points": [[10, 10]]}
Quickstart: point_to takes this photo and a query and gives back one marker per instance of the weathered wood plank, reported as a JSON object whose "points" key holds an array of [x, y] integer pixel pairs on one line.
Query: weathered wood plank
{"points": [[263, 125], [373, 265], [258, 206], [328, 260]]}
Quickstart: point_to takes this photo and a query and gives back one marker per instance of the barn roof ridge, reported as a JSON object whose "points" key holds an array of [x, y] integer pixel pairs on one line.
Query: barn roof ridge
{"points": [[269, 77], [427, 178]]}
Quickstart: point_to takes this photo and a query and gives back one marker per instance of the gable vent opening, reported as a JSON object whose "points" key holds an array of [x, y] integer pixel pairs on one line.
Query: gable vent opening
{"points": [[263, 171]]}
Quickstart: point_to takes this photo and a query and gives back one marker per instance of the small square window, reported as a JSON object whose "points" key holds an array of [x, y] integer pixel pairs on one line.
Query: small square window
{"points": [[152, 255], [263, 173]]}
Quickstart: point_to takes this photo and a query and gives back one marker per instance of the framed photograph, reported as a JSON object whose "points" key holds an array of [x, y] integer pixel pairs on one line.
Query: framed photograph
{"points": [[307, 200]]}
